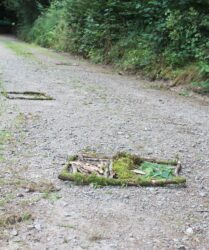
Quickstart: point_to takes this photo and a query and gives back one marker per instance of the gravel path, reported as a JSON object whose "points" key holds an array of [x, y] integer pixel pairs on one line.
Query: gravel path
{"points": [[96, 109]]}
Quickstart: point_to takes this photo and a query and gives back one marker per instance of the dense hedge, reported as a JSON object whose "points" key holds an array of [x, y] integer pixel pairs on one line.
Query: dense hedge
{"points": [[162, 39]]}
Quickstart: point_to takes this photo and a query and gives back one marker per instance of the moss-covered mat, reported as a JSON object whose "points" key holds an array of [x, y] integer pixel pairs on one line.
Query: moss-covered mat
{"points": [[121, 170], [27, 95]]}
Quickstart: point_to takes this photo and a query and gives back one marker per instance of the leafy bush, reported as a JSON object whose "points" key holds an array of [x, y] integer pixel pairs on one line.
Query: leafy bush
{"points": [[44, 30], [184, 36], [139, 57]]}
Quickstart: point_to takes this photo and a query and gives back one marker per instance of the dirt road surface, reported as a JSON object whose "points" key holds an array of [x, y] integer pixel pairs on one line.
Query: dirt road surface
{"points": [[95, 109]]}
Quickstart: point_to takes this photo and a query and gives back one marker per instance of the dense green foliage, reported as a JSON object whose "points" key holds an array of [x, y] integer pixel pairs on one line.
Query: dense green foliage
{"points": [[162, 39], [26, 10]]}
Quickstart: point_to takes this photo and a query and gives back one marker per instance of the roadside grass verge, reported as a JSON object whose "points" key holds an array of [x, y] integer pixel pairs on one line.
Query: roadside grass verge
{"points": [[5, 136], [20, 49]]}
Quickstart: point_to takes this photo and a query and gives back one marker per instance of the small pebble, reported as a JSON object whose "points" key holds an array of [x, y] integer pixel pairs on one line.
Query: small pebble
{"points": [[182, 247], [30, 227], [189, 231], [14, 232], [37, 226], [20, 195], [203, 194]]}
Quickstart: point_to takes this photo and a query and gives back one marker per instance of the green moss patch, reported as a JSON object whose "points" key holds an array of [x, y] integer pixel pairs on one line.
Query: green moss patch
{"points": [[27, 95], [121, 170]]}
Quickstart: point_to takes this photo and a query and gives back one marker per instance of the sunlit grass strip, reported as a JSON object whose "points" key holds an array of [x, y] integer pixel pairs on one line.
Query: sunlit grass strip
{"points": [[20, 49]]}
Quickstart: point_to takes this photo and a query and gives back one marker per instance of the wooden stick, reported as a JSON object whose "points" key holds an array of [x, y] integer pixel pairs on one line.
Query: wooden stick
{"points": [[74, 169], [137, 171], [86, 167], [153, 160], [111, 172], [37, 95], [101, 180], [88, 158], [178, 168]]}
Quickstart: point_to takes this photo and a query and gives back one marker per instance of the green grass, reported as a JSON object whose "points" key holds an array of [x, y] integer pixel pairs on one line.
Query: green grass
{"points": [[20, 49], [13, 219], [26, 216], [201, 87], [184, 93], [2, 90], [51, 196], [6, 199], [5, 136]]}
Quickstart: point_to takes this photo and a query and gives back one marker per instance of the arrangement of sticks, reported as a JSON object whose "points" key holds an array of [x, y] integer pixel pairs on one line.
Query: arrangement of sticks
{"points": [[103, 166], [88, 165]]}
